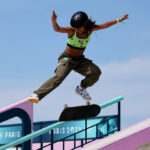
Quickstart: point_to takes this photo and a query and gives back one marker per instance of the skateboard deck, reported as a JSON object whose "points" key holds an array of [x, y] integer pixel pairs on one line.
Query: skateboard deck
{"points": [[79, 112]]}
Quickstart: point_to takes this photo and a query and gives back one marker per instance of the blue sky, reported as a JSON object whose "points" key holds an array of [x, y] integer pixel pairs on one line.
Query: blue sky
{"points": [[29, 49]]}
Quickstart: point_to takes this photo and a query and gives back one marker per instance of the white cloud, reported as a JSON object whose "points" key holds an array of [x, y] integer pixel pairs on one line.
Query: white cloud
{"points": [[134, 68]]}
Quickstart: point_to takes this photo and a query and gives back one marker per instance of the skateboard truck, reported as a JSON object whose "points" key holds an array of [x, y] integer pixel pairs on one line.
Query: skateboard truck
{"points": [[87, 102]]}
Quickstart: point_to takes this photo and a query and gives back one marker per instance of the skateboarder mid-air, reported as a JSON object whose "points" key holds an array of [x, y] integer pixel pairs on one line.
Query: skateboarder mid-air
{"points": [[72, 58]]}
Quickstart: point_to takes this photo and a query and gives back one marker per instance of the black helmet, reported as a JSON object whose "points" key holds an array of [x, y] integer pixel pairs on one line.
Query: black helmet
{"points": [[79, 19]]}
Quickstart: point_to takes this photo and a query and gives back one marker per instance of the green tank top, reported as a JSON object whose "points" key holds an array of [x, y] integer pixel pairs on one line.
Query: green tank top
{"points": [[78, 43]]}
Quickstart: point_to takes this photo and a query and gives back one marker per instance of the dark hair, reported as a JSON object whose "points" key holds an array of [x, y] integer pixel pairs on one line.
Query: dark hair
{"points": [[90, 24]]}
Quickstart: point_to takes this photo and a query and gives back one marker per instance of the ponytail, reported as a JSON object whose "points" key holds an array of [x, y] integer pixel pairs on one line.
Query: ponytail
{"points": [[90, 24]]}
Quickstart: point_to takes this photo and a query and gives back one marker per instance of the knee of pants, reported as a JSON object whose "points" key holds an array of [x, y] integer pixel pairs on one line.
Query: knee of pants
{"points": [[96, 72]]}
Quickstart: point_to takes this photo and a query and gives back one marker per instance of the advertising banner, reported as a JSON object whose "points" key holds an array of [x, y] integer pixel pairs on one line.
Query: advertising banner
{"points": [[104, 127], [10, 133]]}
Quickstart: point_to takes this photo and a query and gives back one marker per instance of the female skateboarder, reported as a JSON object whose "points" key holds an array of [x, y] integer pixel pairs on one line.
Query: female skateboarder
{"points": [[72, 58]]}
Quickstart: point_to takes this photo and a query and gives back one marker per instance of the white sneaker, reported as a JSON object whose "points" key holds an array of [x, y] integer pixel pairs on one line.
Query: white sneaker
{"points": [[34, 98], [80, 91]]}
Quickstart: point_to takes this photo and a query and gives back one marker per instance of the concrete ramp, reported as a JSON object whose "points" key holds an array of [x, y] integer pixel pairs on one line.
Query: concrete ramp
{"points": [[136, 137]]}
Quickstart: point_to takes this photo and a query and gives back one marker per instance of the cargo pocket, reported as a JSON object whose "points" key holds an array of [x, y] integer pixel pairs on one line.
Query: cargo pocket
{"points": [[64, 66], [60, 64]]}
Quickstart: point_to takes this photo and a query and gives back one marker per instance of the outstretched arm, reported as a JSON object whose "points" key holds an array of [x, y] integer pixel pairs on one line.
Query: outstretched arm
{"points": [[57, 28], [109, 23]]}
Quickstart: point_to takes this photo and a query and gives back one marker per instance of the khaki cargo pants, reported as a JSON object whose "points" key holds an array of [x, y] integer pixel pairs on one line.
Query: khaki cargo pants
{"points": [[66, 64]]}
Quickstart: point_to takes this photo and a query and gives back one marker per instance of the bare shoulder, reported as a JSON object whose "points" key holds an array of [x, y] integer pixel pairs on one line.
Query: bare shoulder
{"points": [[71, 31]]}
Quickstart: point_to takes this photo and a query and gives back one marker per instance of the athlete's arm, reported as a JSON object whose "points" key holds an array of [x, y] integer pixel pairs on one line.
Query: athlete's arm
{"points": [[57, 28], [109, 23]]}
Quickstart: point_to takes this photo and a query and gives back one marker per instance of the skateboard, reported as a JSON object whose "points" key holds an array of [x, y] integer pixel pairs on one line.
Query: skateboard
{"points": [[79, 112]]}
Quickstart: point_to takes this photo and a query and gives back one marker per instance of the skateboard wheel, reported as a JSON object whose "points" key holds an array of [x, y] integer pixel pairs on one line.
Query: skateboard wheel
{"points": [[65, 106], [87, 103]]}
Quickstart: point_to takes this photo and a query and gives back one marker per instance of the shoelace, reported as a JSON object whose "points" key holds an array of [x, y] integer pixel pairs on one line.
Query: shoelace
{"points": [[85, 93]]}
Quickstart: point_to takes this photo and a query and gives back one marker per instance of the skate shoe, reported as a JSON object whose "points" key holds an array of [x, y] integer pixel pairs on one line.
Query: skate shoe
{"points": [[34, 98], [81, 91]]}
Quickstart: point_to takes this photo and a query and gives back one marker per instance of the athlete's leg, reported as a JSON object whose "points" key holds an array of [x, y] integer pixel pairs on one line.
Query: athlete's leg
{"points": [[63, 69], [91, 72]]}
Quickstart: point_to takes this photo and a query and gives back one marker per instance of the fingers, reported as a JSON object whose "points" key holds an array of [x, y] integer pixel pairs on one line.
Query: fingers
{"points": [[126, 16], [53, 14]]}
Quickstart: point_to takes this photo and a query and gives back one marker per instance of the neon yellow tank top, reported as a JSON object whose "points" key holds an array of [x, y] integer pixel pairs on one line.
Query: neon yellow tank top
{"points": [[78, 43]]}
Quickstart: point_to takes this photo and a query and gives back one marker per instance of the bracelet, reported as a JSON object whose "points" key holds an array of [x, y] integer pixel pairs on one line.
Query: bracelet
{"points": [[117, 20]]}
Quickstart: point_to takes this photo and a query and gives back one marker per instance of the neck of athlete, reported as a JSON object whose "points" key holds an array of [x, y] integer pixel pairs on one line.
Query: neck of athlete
{"points": [[81, 30]]}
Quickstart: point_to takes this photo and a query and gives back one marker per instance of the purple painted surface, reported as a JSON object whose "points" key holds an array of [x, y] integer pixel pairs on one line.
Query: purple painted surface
{"points": [[127, 139], [59, 146], [132, 142], [23, 104]]}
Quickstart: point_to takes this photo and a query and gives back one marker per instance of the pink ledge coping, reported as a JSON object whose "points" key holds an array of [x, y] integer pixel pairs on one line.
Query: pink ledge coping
{"points": [[23, 104]]}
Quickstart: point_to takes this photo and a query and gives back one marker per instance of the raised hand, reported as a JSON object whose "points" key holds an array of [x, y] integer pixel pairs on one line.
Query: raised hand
{"points": [[54, 16], [124, 17]]}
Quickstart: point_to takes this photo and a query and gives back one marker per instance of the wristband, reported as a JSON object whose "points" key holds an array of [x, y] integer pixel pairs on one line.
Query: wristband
{"points": [[117, 20]]}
